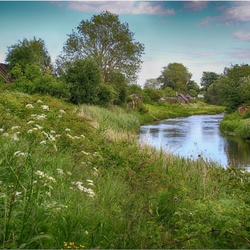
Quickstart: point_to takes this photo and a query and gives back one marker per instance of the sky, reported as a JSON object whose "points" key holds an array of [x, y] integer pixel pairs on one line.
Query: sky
{"points": [[202, 35]]}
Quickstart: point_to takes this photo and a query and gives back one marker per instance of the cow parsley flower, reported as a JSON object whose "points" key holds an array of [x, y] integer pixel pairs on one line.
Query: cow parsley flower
{"points": [[29, 106], [45, 107]]}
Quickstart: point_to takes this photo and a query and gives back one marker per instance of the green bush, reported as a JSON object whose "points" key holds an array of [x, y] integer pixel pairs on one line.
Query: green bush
{"points": [[85, 78]]}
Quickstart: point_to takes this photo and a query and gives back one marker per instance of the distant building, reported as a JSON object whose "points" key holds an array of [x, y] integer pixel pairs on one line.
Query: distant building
{"points": [[182, 98], [4, 72]]}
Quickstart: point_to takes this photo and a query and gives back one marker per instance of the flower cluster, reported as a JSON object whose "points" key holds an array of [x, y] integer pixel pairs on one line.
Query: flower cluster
{"points": [[78, 185], [72, 245]]}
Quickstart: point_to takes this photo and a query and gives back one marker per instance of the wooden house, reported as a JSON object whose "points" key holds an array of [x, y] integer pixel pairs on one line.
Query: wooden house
{"points": [[4, 72]]}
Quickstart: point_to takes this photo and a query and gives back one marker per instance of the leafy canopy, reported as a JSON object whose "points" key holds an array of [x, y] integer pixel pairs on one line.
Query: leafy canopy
{"points": [[175, 76], [29, 52], [108, 42]]}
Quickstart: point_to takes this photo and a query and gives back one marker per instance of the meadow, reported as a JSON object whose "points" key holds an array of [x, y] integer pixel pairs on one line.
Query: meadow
{"points": [[74, 177]]}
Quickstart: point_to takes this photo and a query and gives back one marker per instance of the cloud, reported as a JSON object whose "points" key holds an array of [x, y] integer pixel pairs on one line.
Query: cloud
{"points": [[238, 12], [240, 54], [206, 21], [242, 36], [195, 5], [122, 7]]}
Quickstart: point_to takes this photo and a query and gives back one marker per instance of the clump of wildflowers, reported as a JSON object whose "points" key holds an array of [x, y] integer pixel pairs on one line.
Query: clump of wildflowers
{"points": [[78, 185], [72, 245], [29, 106]]}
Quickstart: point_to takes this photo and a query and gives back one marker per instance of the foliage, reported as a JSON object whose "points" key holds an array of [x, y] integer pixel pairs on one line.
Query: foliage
{"points": [[153, 94], [176, 76], [105, 95], [29, 52], [85, 78], [152, 83], [108, 42], [207, 79], [76, 178], [230, 89]]}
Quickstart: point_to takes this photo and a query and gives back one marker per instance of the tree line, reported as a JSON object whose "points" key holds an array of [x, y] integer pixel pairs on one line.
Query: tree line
{"points": [[99, 64]]}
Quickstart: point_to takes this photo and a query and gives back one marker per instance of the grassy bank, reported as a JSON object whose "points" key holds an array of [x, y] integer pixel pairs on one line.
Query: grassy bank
{"points": [[74, 177], [162, 111], [237, 125]]}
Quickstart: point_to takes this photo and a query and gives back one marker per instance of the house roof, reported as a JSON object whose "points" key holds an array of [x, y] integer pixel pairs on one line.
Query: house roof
{"points": [[183, 97], [4, 72]]}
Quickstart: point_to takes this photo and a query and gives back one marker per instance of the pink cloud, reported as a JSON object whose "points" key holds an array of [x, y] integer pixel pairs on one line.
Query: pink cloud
{"points": [[242, 35], [195, 5]]}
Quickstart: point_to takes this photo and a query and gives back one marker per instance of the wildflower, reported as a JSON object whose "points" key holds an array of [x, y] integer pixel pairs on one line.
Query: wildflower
{"points": [[15, 138], [1, 129], [176, 198], [90, 182], [51, 138], [83, 136], [43, 142], [60, 171], [67, 129], [30, 122], [29, 106], [15, 127], [40, 173], [5, 134], [62, 111], [52, 131], [40, 117], [17, 153], [38, 126], [39, 101], [86, 232], [85, 153], [70, 136], [69, 173], [48, 193], [18, 194], [50, 178], [45, 107]]}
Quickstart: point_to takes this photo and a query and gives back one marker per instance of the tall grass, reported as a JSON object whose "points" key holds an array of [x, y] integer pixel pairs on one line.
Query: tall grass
{"points": [[66, 184]]}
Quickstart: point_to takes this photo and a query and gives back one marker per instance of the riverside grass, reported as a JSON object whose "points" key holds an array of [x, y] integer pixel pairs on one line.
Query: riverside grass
{"points": [[71, 177]]}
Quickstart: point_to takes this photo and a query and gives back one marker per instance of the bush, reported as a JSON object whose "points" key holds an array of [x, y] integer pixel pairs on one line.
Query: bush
{"points": [[105, 95], [85, 78]]}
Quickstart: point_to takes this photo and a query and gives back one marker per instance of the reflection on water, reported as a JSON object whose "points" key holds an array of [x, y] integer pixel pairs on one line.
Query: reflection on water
{"points": [[196, 135]]}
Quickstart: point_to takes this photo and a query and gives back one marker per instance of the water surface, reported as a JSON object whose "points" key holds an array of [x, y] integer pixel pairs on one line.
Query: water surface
{"points": [[196, 136]]}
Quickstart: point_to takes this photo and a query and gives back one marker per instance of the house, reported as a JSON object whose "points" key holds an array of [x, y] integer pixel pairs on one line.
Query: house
{"points": [[189, 96], [4, 72], [181, 98]]}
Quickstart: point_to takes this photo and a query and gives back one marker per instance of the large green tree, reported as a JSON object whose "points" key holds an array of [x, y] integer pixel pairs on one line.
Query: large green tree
{"points": [[175, 76], [108, 42], [29, 52], [207, 79]]}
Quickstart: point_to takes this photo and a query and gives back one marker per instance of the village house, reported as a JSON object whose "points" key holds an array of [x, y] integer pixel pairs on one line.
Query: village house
{"points": [[4, 72], [181, 98]]}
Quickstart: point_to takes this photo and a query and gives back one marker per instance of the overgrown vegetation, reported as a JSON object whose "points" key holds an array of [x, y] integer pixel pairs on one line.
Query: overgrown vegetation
{"points": [[74, 177]]}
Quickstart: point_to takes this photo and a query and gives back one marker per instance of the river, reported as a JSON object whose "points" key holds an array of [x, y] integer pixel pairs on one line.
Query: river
{"points": [[197, 136]]}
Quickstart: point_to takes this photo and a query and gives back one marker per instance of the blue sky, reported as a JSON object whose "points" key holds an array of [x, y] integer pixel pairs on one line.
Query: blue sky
{"points": [[202, 35]]}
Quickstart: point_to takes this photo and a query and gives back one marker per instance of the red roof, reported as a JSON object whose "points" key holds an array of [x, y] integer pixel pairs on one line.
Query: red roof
{"points": [[4, 72]]}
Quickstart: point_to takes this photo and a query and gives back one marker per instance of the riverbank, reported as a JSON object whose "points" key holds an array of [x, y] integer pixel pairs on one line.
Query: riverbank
{"points": [[160, 111], [237, 125], [69, 180]]}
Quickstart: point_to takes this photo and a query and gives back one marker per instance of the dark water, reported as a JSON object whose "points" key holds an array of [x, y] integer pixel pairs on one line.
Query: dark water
{"points": [[196, 136]]}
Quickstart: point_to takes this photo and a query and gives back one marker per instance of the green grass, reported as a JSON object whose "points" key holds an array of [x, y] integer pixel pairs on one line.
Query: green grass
{"points": [[75, 177]]}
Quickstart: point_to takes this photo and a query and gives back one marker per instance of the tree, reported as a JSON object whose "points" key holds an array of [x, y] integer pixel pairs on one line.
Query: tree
{"points": [[29, 52], [85, 78], [152, 83], [108, 42], [207, 79], [175, 76]]}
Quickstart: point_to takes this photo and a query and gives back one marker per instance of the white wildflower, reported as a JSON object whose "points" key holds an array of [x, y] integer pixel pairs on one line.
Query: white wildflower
{"points": [[40, 173], [15, 138], [83, 136], [76, 137], [15, 127], [50, 178], [86, 232], [48, 193], [60, 171], [59, 116], [34, 182], [41, 117], [39, 101], [38, 126], [51, 138], [62, 111], [18, 194], [67, 129], [1, 129], [17, 153], [70, 136], [35, 129], [43, 142], [30, 131], [29, 106], [30, 122], [45, 107], [69, 173], [5, 134], [85, 153], [33, 115], [52, 131]]}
